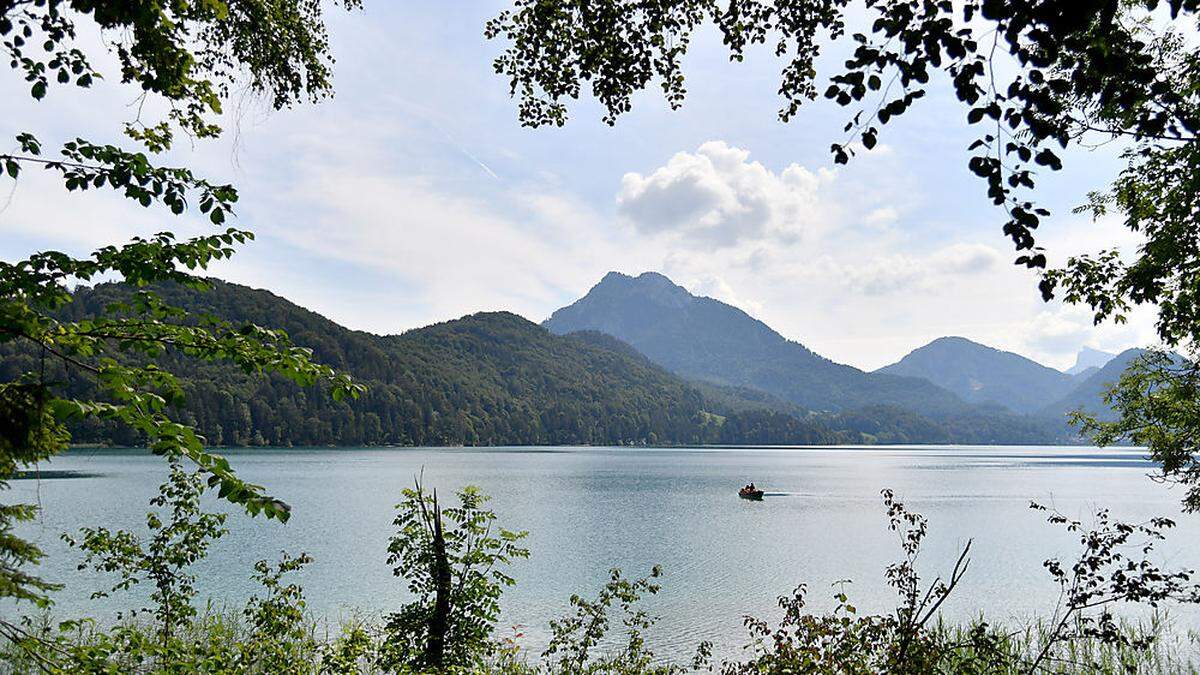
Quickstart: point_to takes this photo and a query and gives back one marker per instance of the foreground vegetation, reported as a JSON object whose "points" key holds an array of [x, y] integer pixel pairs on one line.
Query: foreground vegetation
{"points": [[219, 642], [454, 562], [1079, 73]]}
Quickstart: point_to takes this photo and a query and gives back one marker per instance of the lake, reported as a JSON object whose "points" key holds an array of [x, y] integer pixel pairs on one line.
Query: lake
{"points": [[591, 509]]}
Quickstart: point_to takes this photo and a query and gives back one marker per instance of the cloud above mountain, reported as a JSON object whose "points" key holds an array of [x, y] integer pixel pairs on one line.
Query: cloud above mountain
{"points": [[896, 273], [718, 196]]}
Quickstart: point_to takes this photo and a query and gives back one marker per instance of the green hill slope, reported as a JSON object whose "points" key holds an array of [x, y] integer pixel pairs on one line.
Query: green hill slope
{"points": [[485, 379]]}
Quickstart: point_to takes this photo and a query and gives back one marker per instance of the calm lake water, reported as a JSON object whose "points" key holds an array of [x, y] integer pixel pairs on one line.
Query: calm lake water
{"points": [[591, 509]]}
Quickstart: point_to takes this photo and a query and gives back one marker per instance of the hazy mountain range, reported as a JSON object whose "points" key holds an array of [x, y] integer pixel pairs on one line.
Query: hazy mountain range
{"points": [[704, 339], [637, 360]]}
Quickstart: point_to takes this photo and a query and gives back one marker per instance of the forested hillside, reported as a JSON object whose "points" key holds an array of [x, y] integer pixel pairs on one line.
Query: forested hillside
{"points": [[485, 379]]}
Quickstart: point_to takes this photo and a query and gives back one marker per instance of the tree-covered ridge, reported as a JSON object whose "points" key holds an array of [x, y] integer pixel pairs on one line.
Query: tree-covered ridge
{"points": [[486, 379]]}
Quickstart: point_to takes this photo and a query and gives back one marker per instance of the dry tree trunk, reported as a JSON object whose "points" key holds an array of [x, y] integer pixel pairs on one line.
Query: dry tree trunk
{"points": [[439, 621]]}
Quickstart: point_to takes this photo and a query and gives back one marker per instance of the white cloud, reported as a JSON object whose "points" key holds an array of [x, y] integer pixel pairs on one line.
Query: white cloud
{"points": [[717, 196], [881, 217], [906, 273], [885, 275], [719, 288], [1081, 235], [38, 207], [1056, 334], [447, 252], [964, 259]]}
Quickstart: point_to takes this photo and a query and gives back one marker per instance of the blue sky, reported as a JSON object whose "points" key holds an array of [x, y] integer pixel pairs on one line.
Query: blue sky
{"points": [[414, 197]]}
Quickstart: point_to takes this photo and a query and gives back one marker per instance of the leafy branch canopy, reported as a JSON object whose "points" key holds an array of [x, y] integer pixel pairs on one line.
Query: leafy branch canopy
{"points": [[192, 56]]}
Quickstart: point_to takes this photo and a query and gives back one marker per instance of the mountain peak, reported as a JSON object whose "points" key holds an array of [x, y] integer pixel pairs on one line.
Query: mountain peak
{"points": [[654, 286], [706, 339], [651, 278], [614, 277], [982, 374], [1089, 358], [955, 340], [655, 277]]}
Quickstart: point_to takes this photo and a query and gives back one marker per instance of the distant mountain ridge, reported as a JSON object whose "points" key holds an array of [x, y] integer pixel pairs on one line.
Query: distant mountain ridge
{"points": [[980, 374], [494, 378], [951, 388], [705, 339]]}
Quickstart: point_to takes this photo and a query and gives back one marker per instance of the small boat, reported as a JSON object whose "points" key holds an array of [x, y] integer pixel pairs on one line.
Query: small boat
{"points": [[753, 495]]}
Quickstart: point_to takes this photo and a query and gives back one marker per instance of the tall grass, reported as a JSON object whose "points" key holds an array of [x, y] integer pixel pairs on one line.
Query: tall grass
{"points": [[330, 648], [1171, 651]]}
